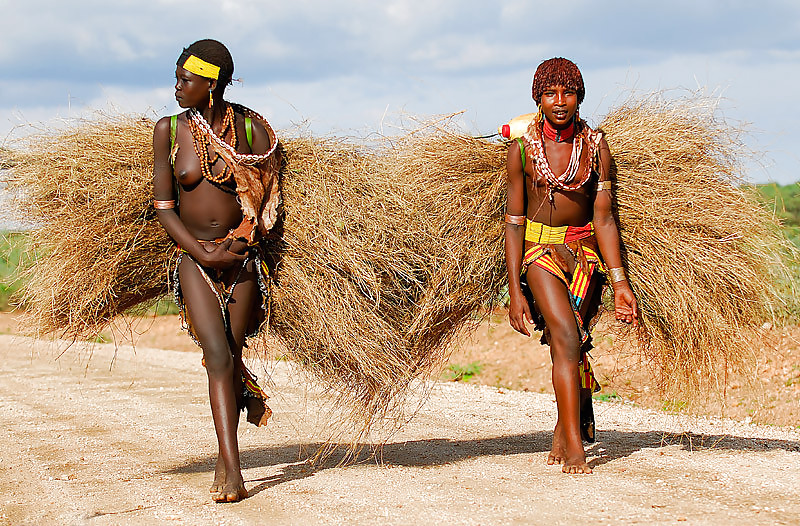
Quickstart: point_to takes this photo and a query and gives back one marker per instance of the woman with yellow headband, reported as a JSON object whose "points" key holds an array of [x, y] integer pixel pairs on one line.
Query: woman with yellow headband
{"points": [[216, 194]]}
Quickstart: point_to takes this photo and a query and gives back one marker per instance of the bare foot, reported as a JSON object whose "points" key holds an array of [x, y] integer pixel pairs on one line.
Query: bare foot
{"points": [[558, 453], [575, 458], [576, 465], [233, 492], [219, 476], [570, 456]]}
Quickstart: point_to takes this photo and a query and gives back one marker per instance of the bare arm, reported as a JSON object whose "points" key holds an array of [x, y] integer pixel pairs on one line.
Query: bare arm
{"points": [[163, 190], [518, 310], [625, 307]]}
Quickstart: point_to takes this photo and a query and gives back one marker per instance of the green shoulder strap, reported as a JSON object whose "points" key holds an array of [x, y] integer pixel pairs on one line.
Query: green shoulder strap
{"points": [[173, 126], [248, 130], [522, 152]]}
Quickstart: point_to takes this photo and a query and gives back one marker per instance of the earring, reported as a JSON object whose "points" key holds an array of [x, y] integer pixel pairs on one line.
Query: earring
{"points": [[577, 117], [210, 99], [539, 115]]}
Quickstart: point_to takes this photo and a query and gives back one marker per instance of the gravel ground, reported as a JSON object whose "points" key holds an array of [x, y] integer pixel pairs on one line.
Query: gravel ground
{"points": [[103, 437]]}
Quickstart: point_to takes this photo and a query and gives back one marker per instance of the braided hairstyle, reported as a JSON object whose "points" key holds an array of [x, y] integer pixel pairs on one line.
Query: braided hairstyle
{"points": [[214, 52], [557, 72]]}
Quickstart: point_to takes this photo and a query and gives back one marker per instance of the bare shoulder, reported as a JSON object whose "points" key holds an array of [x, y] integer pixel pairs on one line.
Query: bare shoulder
{"points": [[259, 130], [162, 126], [260, 137]]}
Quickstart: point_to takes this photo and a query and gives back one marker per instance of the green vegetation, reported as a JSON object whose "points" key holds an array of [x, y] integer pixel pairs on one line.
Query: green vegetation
{"points": [[786, 202], [12, 256], [795, 378], [102, 338], [607, 397], [462, 373], [164, 305], [673, 406]]}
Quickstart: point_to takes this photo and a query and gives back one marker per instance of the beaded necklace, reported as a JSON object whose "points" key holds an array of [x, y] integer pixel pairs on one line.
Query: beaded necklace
{"points": [[202, 140], [557, 135], [244, 158], [570, 179]]}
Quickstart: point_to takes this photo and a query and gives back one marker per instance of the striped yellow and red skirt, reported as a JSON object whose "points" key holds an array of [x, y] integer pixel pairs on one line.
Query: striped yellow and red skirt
{"points": [[569, 253]]}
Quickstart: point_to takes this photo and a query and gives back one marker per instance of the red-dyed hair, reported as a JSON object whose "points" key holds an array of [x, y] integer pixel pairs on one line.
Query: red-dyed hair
{"points": [[557, 72]]}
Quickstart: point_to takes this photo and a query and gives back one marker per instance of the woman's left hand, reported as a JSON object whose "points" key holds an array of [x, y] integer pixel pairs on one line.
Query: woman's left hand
{"points": [[625, 307], [238, 247]]}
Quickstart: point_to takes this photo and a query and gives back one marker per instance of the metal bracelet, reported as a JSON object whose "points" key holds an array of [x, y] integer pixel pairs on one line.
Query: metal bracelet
{"points": [[617, 274]]}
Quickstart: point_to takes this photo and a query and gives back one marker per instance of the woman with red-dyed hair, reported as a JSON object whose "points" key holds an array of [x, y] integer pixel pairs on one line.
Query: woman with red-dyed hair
{"points": [[561, 238]]}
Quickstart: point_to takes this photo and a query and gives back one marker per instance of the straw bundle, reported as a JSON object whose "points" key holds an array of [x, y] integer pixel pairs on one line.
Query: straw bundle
{"points": [[705, 255], [389, 261], [101, 251], [388, 251]]}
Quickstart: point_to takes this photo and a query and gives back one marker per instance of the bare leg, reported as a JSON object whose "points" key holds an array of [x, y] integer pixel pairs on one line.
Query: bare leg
{"points": [[240, 309], [552, 300], [204, 312]]}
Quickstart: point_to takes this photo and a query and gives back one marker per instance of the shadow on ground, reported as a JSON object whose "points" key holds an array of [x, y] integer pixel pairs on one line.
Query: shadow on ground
{"points": [[611, 445]]}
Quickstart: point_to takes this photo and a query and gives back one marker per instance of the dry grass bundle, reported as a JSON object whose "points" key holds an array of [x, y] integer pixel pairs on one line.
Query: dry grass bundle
{"points": [[388, 252], [392, 257], [384, 255], [101, 252], [706, 257]]}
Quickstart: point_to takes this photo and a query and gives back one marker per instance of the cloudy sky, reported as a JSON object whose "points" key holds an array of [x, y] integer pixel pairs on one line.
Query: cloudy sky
{"points": [[352, 66]]}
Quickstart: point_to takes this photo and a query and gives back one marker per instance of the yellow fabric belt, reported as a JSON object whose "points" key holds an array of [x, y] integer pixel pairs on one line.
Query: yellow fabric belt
{"points": [[553, 235]]}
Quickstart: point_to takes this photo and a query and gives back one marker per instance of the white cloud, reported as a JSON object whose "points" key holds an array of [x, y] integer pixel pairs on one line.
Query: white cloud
{"points": [[341, 63]]}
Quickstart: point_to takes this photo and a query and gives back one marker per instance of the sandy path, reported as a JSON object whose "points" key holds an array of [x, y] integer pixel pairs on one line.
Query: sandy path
{"points": [[82, 444]]}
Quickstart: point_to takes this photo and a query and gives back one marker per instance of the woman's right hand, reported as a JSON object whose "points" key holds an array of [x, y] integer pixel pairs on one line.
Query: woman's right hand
{"points": [[519, 312], [218, 256]]}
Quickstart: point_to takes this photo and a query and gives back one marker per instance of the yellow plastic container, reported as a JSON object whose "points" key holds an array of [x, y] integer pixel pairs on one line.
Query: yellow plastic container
{"points": [[516, 127]]}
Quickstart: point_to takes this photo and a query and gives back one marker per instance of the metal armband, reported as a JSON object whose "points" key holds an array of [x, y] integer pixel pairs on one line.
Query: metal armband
{"points": [[163, 205], [604, 185], [515, 220], [616, 274]]}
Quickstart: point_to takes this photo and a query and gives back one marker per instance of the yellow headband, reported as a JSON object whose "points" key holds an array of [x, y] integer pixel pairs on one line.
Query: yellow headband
{"points": [[200, 67]]}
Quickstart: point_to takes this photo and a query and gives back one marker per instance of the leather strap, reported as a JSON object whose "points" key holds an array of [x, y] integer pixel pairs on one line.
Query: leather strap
{"points": [[173, 126]]}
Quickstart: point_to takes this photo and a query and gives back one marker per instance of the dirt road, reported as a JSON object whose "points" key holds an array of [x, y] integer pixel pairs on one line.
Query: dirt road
{"points": [[85, 443]]}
